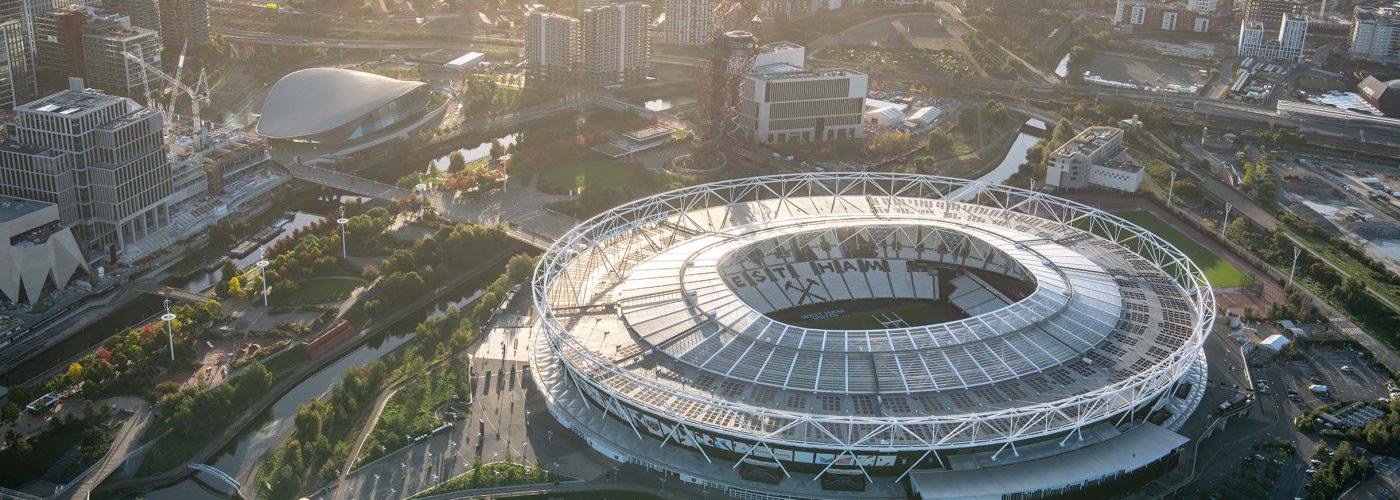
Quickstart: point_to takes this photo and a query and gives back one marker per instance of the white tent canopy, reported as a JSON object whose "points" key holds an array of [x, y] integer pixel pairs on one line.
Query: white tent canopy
{"points": [[1275, 342]]}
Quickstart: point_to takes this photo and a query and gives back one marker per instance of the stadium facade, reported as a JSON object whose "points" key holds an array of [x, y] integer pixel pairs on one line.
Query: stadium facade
{"points": [[333, 105], [699, 332]]}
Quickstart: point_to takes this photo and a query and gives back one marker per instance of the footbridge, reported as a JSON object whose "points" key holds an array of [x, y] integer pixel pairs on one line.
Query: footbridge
{"points": [[221, 476], [346, 182], [154, 288]]}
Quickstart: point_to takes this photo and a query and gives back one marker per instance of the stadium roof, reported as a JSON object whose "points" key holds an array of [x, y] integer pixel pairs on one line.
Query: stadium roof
{"points": [[320, 100], [1133, 449]]}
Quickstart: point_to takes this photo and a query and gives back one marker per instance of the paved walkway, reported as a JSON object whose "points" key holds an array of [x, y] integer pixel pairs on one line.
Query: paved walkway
{"points": [[128, 438]]}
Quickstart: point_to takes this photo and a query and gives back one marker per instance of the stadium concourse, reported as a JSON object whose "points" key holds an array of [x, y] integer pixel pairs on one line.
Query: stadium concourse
{"points": [[871, 334]]}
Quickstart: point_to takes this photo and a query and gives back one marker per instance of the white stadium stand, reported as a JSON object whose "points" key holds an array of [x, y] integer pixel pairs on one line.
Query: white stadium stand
{"points": [[658, 345]]}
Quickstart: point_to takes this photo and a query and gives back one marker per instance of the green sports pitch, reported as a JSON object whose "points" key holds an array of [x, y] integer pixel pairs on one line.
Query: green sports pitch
{"points": [[914, 313], [1220, 273]]}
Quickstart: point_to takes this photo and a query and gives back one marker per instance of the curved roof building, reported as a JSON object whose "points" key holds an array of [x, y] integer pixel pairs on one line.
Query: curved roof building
{"points": [[331, 105], [864, 335]]}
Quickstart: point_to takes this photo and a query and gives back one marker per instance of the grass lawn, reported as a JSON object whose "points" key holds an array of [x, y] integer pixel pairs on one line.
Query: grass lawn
{"points": [[610, 149], [915, 314], [585, 173], [1220, 273], [317, 290]]}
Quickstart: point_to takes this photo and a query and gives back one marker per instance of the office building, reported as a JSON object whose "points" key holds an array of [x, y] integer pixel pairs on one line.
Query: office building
{"points": [[1093, 158], [781, 101], [143, 13], [614, 46], [1284, 45], [582, 5], [100, 158], [17, 78], [1375, 34], [551, 46], [106, 41], [689, 22], [1152, 15], [89, 43], [1271, 12], [36, 250], [183, 21]]}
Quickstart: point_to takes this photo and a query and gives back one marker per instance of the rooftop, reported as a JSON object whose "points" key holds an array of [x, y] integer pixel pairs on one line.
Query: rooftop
{"points": [[70, 102], [14, 208], [783, 71], [648, 133], [1089, 141]]}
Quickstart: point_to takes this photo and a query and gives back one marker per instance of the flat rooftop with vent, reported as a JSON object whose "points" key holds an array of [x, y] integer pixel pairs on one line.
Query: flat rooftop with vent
{"points": [[1094, 159]]}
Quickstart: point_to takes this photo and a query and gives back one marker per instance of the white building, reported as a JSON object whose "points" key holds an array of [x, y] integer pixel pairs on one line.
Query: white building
{"points": [[1093, 159], [783, 102], [38, 251], [1203, 6], [614, 48], [551, 46], [1375, 34], [1256, 41], [883, 114], [99, 158], [689, 22]]}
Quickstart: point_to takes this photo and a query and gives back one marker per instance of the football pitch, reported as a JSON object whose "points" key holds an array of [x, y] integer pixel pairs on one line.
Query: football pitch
{"points": [[1220, 273], [915, 314]]}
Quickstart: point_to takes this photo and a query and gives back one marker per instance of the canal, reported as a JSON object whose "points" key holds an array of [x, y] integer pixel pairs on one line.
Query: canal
{"points": [[242, 457]]}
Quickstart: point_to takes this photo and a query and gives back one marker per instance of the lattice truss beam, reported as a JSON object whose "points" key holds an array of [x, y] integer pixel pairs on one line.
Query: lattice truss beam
{"points": [[608, 246]]}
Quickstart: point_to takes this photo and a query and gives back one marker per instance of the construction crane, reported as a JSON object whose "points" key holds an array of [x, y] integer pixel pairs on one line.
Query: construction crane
{"points": [[731, 55], [198, 94]]}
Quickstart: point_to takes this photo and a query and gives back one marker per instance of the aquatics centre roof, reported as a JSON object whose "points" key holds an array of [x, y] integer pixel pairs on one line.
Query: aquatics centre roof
{"points": [[313, 102]]}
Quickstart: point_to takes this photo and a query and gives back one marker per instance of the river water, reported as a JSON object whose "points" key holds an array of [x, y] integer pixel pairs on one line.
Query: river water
{"points": [[242, 457], [1016, 156], [475, 153], [198, 282]]}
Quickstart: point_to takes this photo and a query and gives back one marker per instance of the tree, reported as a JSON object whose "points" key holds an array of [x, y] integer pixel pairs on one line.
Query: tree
{"points": [[456, 162], [235, 287], [939, 140], [497, 150], [75, 371]]}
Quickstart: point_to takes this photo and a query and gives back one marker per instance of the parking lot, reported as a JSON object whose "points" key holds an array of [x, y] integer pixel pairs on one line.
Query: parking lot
{"points": [[1345, 372], [1144, 72]]}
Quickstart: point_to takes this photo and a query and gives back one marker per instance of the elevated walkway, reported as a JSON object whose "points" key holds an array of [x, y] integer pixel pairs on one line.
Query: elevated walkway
{"points": [[165, 291], [346, 182]]}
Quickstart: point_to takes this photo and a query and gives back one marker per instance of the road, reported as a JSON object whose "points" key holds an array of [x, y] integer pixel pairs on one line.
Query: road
{"points": [[284, 40]]}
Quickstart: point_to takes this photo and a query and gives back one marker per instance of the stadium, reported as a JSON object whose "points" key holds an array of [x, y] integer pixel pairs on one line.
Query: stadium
{"points": [[872, 335]]}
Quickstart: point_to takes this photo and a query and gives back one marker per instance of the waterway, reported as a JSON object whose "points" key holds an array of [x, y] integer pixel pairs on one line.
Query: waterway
{"points": [[201, 281], [667, 104], [475, 153], [1062, 70], [1016, 156], [242, 457]]}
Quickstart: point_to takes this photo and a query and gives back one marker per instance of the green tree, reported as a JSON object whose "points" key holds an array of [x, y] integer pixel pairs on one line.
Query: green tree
{"points": [[497, 150], [456, 162]]}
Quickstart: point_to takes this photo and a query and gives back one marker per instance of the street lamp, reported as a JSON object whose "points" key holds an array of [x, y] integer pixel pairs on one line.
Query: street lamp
{"points": [[342, 222], [422, 190], [1171, 188], [262, 268], [1225, 222], [169, 319]]}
